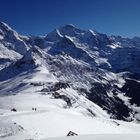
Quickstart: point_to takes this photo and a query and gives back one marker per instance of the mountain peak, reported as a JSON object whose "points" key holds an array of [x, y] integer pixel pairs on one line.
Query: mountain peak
{"points": [[69, 26], [66, 30], [3, 23], [6, 30], [4, 26], [69, 30]]}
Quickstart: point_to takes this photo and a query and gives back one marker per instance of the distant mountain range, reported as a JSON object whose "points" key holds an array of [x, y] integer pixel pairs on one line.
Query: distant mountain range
{"points": [[102, 69]]}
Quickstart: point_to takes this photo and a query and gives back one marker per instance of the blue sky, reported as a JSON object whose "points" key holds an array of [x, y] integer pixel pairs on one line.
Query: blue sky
{"points": [[38, 17]]}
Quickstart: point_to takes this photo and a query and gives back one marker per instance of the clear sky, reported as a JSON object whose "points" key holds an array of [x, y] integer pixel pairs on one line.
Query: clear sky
{"points": [[38, 17]]}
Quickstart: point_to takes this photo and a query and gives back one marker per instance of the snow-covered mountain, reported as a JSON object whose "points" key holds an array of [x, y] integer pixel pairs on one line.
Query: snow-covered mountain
{"points": [[72, 74], [12, 45]]}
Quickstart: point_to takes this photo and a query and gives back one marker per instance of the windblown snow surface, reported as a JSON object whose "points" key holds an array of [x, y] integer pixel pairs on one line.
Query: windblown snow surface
{"points": [[53, 118]]}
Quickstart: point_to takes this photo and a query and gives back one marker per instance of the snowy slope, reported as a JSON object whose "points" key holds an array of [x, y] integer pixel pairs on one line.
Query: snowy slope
{"points": [[101, 137], [52, 120]]}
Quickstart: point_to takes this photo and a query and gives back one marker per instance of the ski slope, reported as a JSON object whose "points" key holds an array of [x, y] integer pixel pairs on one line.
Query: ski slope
{"points": [[101, 137], [52, 119]]}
